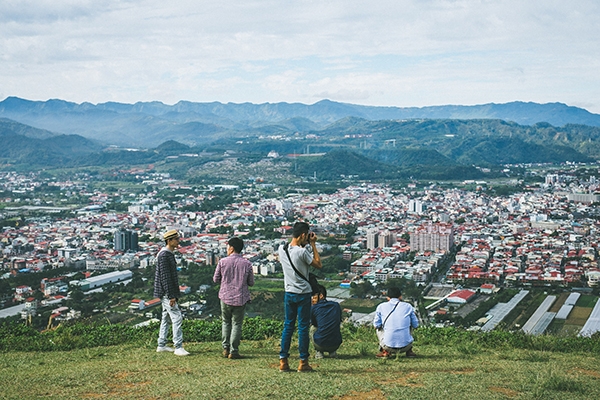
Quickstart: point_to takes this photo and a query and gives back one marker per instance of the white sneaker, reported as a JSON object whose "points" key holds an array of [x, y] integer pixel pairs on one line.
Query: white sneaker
{"points": [[318, 355], [181, 352], [160, 349]]}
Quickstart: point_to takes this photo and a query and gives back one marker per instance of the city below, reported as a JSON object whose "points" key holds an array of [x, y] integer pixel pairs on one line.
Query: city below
{"points": [[464, 255]]}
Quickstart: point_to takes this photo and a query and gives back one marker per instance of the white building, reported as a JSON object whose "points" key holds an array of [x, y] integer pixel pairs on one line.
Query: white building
{"points": [[100, 280]]}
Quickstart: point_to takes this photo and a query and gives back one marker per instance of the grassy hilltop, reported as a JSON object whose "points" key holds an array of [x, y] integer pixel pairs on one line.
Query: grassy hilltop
{"points": [[451, 364]]}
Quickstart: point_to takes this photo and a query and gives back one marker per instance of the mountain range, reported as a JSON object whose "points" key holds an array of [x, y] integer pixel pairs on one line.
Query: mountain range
{"points": [[54, 132], [147, 124]]}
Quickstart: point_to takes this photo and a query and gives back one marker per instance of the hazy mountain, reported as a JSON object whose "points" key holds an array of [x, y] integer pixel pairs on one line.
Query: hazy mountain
{"points": [[147, 124], [9, 127], [63, 133], [23, 144]]}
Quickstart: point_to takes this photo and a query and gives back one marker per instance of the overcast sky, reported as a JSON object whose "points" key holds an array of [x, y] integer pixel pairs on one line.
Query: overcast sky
{"points": [[389, 52]]}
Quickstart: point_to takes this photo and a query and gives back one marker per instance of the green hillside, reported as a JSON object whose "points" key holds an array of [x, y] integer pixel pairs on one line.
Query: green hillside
{"points": [[390, 164], [407, 157], [340, 162], [451, 364], [498, 151]]}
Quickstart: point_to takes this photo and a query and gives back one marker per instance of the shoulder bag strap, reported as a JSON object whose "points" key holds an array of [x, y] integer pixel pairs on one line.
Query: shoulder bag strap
{"points": [[386, 318], [285, 247]]}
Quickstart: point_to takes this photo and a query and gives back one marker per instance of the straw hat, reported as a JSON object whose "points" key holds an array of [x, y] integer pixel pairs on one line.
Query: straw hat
{"points": [[170, 234]]}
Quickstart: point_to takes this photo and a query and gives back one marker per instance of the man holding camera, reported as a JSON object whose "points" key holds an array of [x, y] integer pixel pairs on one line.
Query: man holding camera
{"points": [[394, 321], [297, 298]]}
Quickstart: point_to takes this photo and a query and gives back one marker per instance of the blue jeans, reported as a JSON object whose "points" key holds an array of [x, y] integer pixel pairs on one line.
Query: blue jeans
{"points": [[174, 315], [296, 306], [232, 318]]}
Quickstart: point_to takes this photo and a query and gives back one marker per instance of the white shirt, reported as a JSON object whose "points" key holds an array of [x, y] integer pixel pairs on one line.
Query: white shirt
{"points": [[396, 330]]}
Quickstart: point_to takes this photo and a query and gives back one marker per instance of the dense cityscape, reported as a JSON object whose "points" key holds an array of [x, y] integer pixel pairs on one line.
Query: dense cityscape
{"points": [[73, 249]]}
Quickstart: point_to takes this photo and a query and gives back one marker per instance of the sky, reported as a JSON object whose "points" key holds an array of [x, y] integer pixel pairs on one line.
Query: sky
{"points": [[404, 53]]}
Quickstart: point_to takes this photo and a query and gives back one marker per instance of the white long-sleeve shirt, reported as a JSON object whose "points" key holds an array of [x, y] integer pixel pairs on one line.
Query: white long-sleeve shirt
{"points": [[396, 331]]}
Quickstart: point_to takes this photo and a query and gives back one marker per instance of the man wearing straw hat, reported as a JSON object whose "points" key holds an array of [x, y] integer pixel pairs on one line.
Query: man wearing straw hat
{"points": [[166, 287]]}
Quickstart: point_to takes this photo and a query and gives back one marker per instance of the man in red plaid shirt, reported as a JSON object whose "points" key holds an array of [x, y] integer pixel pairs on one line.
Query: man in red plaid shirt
{"points": [[235, 275]]}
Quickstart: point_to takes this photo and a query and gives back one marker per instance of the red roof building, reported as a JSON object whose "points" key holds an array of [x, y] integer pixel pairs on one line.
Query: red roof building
{"points": [[461, 296]]}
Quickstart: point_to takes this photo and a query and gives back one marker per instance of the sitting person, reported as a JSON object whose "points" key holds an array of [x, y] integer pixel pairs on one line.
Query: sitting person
{"points": [[394, 321], [326, 317]]}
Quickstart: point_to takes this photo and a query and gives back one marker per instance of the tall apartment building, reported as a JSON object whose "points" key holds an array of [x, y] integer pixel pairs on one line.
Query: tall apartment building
{"points": [[376, 238], [434, 237], [126, 240], [415, 207], [372, 239], [212, 257], [386, 239], [551, 179]]}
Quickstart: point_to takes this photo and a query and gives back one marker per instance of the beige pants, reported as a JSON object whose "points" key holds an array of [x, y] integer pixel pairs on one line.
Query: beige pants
{"points": [[391, 349]]}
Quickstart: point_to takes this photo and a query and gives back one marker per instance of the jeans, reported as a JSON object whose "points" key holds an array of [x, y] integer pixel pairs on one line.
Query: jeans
{"points": [[174, 315], [232, 318], [296, 306]]}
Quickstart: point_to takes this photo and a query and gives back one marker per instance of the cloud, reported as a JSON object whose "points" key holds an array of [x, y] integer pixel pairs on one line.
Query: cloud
{"points": [[403, 52]]}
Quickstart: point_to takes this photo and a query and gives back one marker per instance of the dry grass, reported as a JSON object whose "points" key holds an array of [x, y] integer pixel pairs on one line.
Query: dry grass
{"points": [[578, 316], [559, 302]]}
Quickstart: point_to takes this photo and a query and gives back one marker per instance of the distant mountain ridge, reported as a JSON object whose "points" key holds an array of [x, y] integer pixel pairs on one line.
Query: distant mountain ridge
{"points": [[148, 124], [361, 141], [26, 145], [9, 127]]}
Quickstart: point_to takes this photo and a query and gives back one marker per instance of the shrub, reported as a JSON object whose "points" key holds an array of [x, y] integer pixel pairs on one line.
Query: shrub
{"points": [[18, 337], [504, 339]]}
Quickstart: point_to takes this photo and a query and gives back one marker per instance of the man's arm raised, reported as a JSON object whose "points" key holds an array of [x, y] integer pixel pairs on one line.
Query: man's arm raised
{"points": [[316, 262]]}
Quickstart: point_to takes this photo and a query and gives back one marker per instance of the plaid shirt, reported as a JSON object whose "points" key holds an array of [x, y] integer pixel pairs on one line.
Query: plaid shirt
{"points": [[166, 282], [234, 273]]}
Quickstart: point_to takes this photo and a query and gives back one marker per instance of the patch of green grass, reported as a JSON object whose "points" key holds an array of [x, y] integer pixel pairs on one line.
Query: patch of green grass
{"points": [[527, 356], [587, 300], [440, 372], [553, 382], [556, 326], [361, 305], [267, 285], [428, 302], [564, 384], [571, 330], [468, 348], [536, 356]]}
